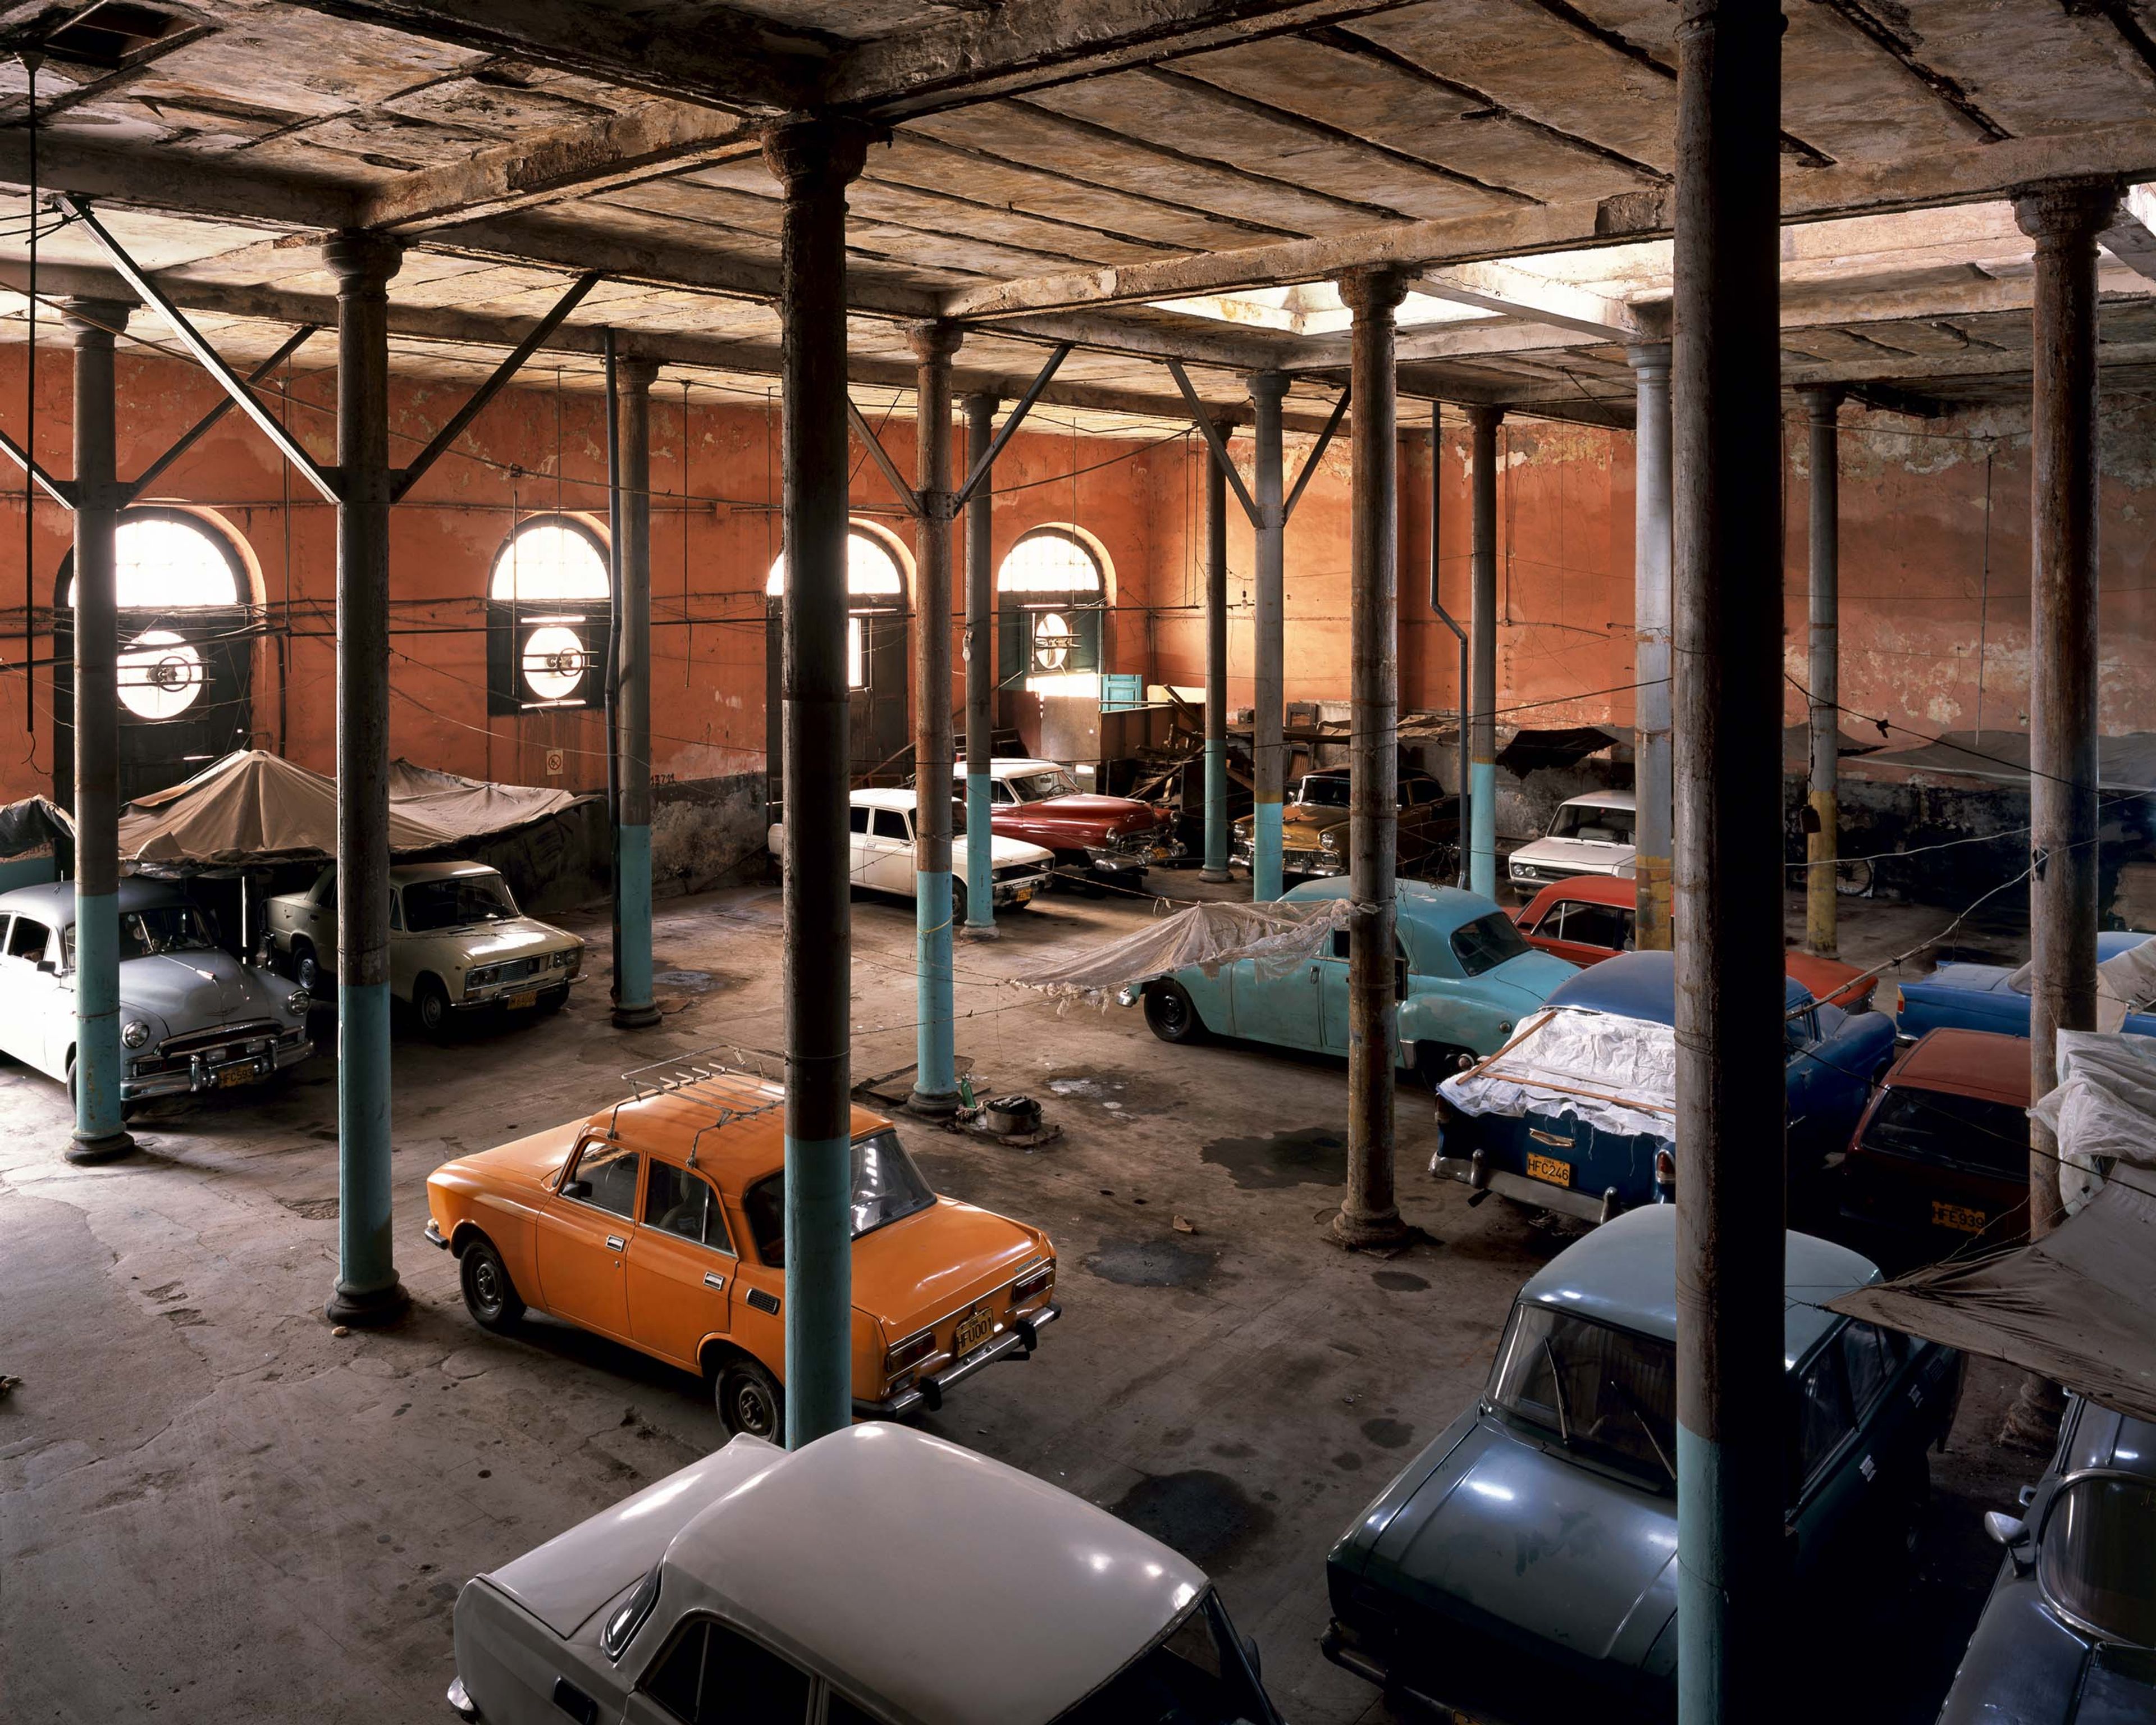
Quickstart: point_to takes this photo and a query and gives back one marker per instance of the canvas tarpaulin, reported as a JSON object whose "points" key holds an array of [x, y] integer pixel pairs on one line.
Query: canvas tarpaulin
{"points": [[1618, 1075], [2103, 1112], [254, 806], [2125, 982], [33, 824], [1276, 936]]}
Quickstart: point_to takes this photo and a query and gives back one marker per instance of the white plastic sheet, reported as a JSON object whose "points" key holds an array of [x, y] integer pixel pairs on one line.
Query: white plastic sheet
{"points": [[1278, 937], [1617, 1075], [2103, 1112], [2125, 982]]}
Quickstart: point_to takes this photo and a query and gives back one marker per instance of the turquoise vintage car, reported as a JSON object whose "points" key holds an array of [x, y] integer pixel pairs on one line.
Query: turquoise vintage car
{"points": [[1467, 977]]}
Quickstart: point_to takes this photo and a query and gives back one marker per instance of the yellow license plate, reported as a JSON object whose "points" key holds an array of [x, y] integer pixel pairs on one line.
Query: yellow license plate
{"points": [[975, 1328], [1022, 896], [231, 1075], [1554, 1169], [1959, 1216], [523, 998]]}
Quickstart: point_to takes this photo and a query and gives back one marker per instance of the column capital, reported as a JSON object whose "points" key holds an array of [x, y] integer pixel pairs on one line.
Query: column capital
{"points": [[811, 152], [635, 372], [935, 339], [96, 321], [1822, 400], [1484, 415], [2066, 213], [362, 260], [1267, 389], [1374, 289], [1649, 358], [980, 403]]}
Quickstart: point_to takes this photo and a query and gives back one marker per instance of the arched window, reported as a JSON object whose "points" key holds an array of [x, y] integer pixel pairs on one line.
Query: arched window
{"points": [[186, 647], [1053, 593], [874, 585], [549, 602]]}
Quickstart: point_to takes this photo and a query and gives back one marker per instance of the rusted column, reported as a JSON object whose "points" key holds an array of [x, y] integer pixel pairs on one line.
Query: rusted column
{"points": [[1216, 668], [1368, 1216], [1732, 1409], [980, 672], [634, 1008], [2064, 220], [1269, 644], [814, 159], [1823, 403], [1651, 653], [1482, 627], [935, 1078]]}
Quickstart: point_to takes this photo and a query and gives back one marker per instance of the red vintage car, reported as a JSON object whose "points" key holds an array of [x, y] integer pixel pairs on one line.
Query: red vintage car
{"points": [[1589, 918], [1112, 839]]}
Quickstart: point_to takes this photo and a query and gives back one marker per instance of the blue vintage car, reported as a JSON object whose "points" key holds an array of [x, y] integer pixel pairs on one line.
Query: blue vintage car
{"points": [[2068, 1636], [1467, 977], [1555, 1151], [1982, 997], [1523, 1567]]}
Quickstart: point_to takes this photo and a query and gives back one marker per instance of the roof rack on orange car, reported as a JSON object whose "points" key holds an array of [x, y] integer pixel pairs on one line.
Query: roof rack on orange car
{"points": [[684, 1075]]}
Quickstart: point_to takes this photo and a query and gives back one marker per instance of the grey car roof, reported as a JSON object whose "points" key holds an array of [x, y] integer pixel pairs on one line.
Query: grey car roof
{"points": [[52, 902], [1624, 1273], [869, 1550]]}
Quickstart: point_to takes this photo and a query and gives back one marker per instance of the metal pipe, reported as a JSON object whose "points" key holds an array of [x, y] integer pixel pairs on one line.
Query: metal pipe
{"points": [[1731, 1392], [1216, 670], [1824, 403], [1482, 624], [1369, 1214], [814, 160], [98, 1065], [935, 1076], [1445, 617], [634, 1008], [367, 1289], [1269, 648], [1650, 653], [2064, 220], [980, 667], [610, 676]]}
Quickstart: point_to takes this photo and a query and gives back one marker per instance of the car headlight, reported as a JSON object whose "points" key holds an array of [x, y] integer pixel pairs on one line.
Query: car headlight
{"points": [[1330, 838], [297, 1002], [135, 1033], [560, 960]]}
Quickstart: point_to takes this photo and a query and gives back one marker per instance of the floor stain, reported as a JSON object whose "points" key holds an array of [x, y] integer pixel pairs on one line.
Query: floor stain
{"points": [[1348, 1462], [1388, 1434], [1305, 1156], [1399, 1281], [1149, 1263], [1206, 1516]]}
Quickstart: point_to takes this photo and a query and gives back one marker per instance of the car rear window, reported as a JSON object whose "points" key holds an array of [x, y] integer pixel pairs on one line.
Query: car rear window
{"points": [[2098, 1559], [887, 1187], [1938, 1125], [1488, 942], [1607, 1392]]}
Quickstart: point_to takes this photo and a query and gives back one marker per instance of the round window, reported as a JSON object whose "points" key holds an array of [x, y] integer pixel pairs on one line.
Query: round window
{"points": [[1052, 641], [555, 661], [160, 675]]}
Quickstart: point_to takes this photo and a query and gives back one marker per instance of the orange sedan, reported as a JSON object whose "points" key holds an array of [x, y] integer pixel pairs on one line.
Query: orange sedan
{"points": [[660, 1222]]}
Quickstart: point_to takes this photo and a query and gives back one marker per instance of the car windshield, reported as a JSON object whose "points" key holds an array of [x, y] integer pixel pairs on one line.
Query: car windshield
{"points": [[887, 1187], [1033, 787], [1938, 1125], [162, 928], [431, 906], [1488, 942], [1594, 826], [1326, 792], [1195, 1676], [1605, 1392], [2098, 1562]]}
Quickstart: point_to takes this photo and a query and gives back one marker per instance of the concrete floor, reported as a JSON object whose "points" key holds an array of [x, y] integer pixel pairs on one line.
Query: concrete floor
{"points": [[212, 1508]]}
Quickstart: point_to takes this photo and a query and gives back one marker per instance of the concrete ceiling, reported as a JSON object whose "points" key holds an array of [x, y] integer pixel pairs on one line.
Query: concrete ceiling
{"points": [[1148, 179]]}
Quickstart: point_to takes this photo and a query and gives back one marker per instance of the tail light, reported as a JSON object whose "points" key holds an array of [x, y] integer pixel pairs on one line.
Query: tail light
{"points": [[1901, 1006], [1036, 1280], [914, 1349], [1665, 1167]]}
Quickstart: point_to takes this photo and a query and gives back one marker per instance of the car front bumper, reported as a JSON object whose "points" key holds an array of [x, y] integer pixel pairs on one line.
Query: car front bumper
{"points": [[1316, 863], [1531, 877], [202, 1074], [1020, 1339], [504, 994], [1475, 1170], [1119, 859], [1018, 890]]}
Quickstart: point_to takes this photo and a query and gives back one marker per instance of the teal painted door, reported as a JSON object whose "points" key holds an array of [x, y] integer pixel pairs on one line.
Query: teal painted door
{"points": [[1282, 1010]]}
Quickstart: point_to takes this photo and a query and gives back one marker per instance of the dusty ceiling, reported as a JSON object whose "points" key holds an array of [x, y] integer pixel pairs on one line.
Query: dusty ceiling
{"points": [[1146, 178]]}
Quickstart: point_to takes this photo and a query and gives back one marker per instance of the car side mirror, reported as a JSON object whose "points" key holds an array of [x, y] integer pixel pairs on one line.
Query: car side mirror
{"points": [[2012, 1532], [1251, 1654], [49, 967], [576, 1189]]}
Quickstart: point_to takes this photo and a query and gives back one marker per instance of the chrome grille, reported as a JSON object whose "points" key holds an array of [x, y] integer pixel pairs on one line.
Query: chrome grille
{"points": [[198, 1041]]}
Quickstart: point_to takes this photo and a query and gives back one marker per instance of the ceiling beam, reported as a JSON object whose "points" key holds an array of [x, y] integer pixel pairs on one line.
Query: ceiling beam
{"points": [[2132, 238]]}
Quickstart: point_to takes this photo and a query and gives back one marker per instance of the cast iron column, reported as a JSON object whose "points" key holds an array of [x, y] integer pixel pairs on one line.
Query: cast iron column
{"points": [[1731, 1394], [1216, 666], [1482, 626], [2064, 220], [367, 1290], [1651, 653], [1368, 1216], [980, 672], [632, 1006], [814, 159], [935, 1078], [99, 1061], [1823, 403], [1269, 647]]}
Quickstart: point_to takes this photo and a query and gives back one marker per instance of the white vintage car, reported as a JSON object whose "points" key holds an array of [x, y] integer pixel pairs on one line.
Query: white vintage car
{"points": [[883, 853], [457, 942], [191, 1016], [878, 1576], [1588, 835]]}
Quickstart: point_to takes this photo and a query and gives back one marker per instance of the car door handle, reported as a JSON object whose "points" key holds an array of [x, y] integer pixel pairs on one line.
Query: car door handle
{"points": [[716, 1282], [573, 1701], [615, 1242]]}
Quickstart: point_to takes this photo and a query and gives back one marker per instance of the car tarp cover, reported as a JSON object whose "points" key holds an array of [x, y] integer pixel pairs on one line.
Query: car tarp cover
{"points": [[253, 805], [1618, 1075], [2078, 1306], [32, 824], [1276, 936]]}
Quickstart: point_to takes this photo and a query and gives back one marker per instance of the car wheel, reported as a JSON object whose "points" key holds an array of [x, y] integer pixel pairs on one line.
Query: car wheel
{"points": [[1172, 1014], [1437, 1061], [958, 904], [431, 1001], [749, 1402], [490, 1296], [305, 971]]}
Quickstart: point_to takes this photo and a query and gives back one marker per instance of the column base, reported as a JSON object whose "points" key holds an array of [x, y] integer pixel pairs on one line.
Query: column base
{"points": [[370, 1310], [107, 1147], [979, 931], [940, 1106], [1377, 1232], [2032, 1417], [1217, 876], [636, 1017]]}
